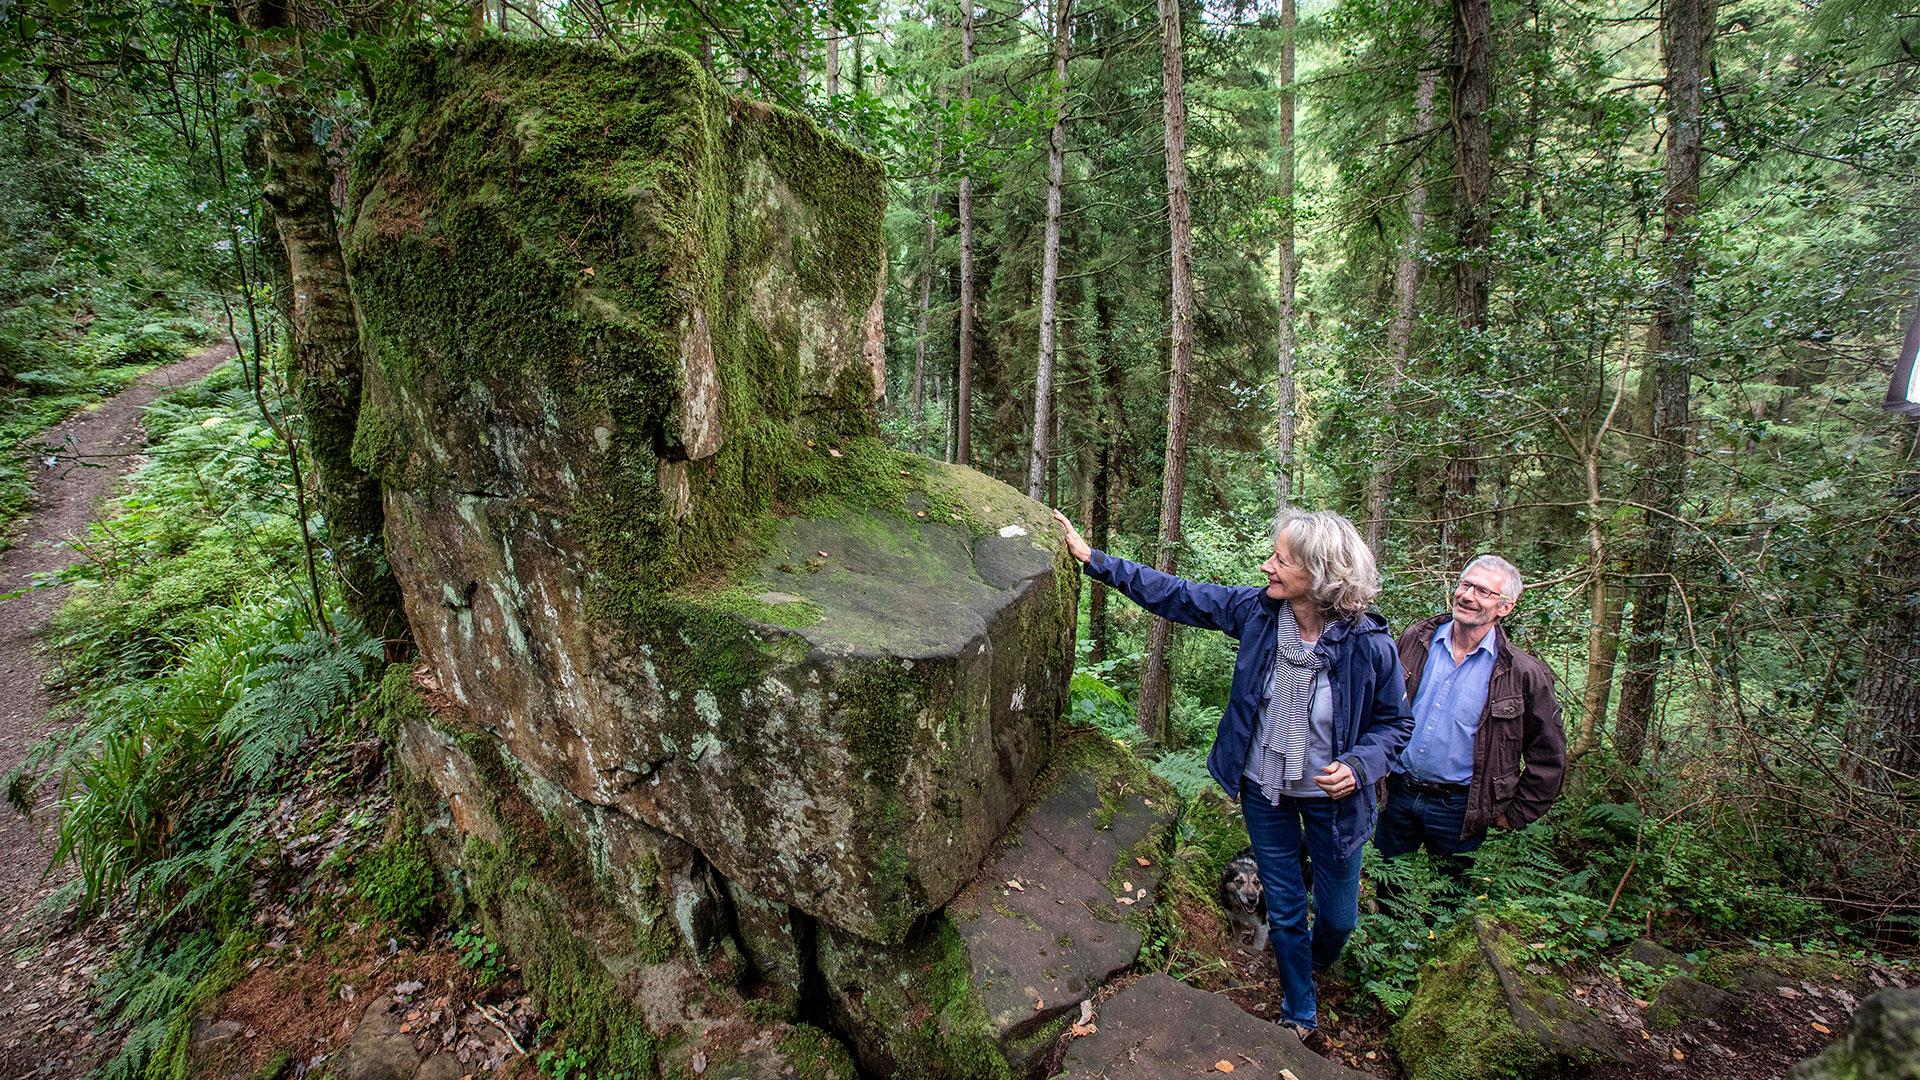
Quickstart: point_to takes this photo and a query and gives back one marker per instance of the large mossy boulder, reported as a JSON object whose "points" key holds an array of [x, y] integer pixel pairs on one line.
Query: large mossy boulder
{"points": [[623, 346], [1482, 1010], [1883, 1043]]}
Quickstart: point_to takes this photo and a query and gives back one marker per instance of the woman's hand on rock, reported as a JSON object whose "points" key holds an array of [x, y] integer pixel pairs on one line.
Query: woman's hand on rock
{"points": [[1076, 544]]}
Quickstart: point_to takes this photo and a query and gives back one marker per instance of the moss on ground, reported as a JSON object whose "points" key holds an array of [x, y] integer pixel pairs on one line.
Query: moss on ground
{"points": [[397, 879], [1458, 1026]]}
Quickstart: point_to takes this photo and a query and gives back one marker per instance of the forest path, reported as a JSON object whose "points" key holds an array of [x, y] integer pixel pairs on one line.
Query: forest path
{"points": [[45, 1025]]}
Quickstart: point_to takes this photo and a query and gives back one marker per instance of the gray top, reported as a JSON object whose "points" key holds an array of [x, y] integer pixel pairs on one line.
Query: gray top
{"points": [[1319, 742]]}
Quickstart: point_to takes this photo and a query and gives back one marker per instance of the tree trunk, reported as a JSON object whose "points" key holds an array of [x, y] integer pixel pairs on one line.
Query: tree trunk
{"points": [[1605, 603], [1473, 148], [1406, 291], [1887, 697], [963, 392], [1687, 28], [1155, 685], [833, 63], [926, 286], [1284, 392], [1050, 257], [325, 339], [1106, 479]]}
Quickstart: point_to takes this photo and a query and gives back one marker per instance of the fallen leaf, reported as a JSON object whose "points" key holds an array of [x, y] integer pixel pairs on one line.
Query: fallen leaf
{"points": [[1787, 991], [1223, 1065], [587, 270], [903, 472], [1127, 900], [699, 1062], [1081, 1031], [1287, 1074], [832, 452], [822, 554], [1143, 861], [1014, 883], [1039, 1003], [1372, 1055], [1140, 895], [1086, 1011], [1678, 1055], [1126, 886], [1821, 1028]]}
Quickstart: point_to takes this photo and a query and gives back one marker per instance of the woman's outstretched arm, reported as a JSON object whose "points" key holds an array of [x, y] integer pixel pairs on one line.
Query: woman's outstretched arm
{"points": [[1195, 603]]}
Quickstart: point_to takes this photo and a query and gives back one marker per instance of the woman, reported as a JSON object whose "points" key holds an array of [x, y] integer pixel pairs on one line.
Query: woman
{"points": [[1317, 713]]}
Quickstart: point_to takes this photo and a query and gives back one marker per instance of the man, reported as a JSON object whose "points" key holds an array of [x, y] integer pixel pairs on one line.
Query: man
{"points": [[1487, 746]]}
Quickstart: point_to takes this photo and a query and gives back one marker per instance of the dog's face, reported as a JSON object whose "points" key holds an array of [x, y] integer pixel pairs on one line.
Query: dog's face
{"points": [[1240, 885]]}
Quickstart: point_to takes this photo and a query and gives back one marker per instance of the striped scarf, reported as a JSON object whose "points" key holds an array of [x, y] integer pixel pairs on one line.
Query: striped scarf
{"points": [[1280, 749]]}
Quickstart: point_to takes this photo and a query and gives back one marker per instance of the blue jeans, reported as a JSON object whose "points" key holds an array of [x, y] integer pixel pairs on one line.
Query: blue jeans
{"points": [[1412, 819], [1279, 834]]}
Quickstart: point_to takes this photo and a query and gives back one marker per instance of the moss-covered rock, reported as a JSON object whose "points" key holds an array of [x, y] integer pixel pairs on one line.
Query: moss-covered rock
{"points": [[1882, 1044], [620, 931], [987, 986], [623, 345], [1480, 1012]]}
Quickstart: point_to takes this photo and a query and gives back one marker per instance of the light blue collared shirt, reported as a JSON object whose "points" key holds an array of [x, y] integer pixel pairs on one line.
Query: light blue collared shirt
{"points": [[1446, 711]]}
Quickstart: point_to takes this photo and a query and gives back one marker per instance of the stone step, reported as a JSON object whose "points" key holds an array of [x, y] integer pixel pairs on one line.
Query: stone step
{"points": [[1161, 1027], [989, 987]]}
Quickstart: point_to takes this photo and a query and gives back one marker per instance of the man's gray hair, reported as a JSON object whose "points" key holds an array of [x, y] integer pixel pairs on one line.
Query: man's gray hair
{"points": [[1341, 574], [1514, 584]]}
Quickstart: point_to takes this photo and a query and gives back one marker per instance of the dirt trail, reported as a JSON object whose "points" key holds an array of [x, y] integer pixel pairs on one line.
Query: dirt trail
{"points": [[45, 1030]]}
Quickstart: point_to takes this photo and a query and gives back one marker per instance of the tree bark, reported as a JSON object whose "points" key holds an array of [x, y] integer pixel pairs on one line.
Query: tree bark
{"points": [[1473, 148], [1406, 292], [963, 391], [1155, 685], [1050, 258], [325, 338], [1106, 479], [926, 285], [1887, 697], [1284, 389], [833, 63], [1687, 29]]}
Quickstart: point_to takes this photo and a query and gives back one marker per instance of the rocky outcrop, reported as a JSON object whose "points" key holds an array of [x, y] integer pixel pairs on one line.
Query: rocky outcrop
{"points": [[1482, 1011], [1883, 1043], [1162, 1027], [989, 985], [623, 340]]}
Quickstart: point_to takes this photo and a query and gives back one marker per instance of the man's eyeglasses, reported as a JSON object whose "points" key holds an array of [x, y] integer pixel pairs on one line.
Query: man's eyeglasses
{"points": [[1481, 592]]}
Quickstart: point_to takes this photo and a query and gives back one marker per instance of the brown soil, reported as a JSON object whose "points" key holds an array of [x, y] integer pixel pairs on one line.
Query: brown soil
{"points": [[46, 964], [303, 1003]]}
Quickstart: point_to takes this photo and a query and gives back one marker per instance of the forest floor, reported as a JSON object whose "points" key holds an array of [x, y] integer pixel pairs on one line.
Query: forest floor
{"points": [[46, 963]]}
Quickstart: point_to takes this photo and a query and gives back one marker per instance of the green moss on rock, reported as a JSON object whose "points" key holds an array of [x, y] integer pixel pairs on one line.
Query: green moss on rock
{"points": [[1458, 1026]]}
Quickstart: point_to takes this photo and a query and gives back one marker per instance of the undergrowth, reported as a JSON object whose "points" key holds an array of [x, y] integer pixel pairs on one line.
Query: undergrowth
{"points": [[201, 692]]}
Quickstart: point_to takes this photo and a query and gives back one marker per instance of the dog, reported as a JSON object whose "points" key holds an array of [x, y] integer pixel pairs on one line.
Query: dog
{"points": [[1244, 899]]}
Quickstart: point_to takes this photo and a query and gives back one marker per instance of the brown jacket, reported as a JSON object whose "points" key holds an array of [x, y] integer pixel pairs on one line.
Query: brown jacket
{"points": [[1519, 726]]}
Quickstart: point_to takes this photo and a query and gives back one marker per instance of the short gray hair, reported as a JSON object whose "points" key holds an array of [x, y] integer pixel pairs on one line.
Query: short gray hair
{"points": [[1342, 576], [1513, 573]]}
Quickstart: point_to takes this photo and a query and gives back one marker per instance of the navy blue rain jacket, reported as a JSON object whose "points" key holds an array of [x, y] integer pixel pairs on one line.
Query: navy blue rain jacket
{"points": [[1371, 720]]}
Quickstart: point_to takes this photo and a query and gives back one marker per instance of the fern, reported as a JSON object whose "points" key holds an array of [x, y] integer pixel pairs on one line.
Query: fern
{"points": [[307, 683], [1186, 770]]}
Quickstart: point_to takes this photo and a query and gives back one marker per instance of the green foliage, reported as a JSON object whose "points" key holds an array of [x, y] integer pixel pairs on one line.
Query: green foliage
{"points": [[156, 989], [397, 878], [479, 955]]}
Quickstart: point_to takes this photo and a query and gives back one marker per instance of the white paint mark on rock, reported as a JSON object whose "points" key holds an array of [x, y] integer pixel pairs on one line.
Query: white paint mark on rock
{"points": [[1010, 531]]}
